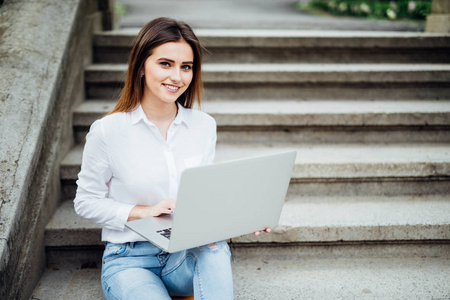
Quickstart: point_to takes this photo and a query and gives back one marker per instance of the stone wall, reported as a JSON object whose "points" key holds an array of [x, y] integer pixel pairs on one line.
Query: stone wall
{"points": [[44, 47], [439, 20]]}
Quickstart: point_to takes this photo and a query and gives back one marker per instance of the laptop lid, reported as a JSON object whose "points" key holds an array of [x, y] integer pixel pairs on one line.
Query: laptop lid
{"points": [[229, 199]]}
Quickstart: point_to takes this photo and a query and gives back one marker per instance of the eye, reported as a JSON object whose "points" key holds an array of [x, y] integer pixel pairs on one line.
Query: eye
{"points": [[186, 67], [164, 64]]}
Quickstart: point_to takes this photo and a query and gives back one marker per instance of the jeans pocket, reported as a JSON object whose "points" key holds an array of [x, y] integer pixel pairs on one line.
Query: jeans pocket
{"points": [[113, 251]]}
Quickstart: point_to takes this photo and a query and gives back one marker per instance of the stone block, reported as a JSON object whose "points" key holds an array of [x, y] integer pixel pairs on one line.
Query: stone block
{"points": [[439, 20], [42, 53], [440, 7], [438, 23]]}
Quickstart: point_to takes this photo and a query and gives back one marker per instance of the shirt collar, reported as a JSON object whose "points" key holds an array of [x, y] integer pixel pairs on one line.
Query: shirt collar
{"points": [[181, 116], [138, 115]]}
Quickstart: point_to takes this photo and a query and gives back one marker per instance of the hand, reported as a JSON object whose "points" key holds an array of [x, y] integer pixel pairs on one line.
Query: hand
{"points": [[266, 230], [165, 206]]}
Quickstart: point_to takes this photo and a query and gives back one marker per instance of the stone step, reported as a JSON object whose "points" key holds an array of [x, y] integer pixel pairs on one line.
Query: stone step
{"points": [[298, 81], [330, 161], [350, 227], [281, 46], [89, 256], [285, 279], [347, 169], [339, 121], [305, 220]]}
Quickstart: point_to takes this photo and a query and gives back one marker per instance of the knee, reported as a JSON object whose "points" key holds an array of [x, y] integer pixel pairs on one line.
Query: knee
{"points": [[217, 248]]}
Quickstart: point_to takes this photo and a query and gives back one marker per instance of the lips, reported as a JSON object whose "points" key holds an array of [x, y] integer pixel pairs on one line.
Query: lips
{"points": [[171, 88]]}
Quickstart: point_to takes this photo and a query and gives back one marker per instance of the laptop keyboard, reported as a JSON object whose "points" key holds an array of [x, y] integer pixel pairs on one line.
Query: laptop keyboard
{"points": [[165, 232]]}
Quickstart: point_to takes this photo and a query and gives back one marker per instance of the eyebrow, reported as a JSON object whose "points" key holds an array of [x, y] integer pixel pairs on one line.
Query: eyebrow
{"points": [[172, 61]]}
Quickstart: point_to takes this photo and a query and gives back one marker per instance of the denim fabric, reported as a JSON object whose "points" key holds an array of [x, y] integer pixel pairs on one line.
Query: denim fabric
{"points": [[140, 270]]}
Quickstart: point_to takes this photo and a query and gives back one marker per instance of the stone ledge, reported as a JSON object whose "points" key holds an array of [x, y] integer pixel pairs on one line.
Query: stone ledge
{"points": [[308, 220], [338, 162], [295, 73], [41, 79], [291, 113], [290, 38], [77, 256], [406, 278]]}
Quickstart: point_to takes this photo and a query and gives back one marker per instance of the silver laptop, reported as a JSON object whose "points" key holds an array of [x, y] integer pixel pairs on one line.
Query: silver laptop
{"points": [[222, 201]]}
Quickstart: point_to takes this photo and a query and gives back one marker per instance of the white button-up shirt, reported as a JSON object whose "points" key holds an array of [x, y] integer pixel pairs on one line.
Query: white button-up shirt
{"points": [[127, 162]]}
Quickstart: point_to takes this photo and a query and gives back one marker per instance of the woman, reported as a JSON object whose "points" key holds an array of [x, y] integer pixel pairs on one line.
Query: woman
{"points": [[132, 161]]}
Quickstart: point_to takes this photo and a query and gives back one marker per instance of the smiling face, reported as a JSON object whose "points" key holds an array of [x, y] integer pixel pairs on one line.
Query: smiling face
{"points": [[168, 72]]}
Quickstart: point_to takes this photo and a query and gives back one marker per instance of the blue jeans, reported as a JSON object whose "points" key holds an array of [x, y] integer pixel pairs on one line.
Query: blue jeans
{"points": [[140, 270]]}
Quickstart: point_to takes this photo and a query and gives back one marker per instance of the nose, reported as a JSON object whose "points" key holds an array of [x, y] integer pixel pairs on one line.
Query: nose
{"points": [[175, 75]]}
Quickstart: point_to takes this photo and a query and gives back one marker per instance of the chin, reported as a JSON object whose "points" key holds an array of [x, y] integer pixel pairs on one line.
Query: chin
{"points": [[170, 101]]}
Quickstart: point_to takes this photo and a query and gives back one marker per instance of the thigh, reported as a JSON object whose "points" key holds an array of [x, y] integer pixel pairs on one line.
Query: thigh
{"points": [[213, 278], [134, 283], [205, 270], [130, 270], [178, 274]]}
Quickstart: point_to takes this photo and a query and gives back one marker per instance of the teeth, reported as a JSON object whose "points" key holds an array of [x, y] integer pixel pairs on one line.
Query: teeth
{"points": [[173, 88]]}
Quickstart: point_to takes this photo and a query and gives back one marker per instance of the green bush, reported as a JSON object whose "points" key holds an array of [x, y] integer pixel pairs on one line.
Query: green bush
{"points": [[380, 9]]}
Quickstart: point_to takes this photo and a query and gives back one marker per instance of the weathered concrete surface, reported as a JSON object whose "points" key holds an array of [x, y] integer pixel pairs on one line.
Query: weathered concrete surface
{"points": [[298, 81], [334, 169], [278, 38], [329, 161], [308, 220], [44, 46], [341, 250], [439, 20], [296, 73], [311, 122], [384, 278], [291, 113], [342, 279], [287, 46]]}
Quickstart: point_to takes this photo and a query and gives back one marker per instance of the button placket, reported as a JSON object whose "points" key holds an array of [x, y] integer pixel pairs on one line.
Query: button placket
{"points": [[171, 167]]}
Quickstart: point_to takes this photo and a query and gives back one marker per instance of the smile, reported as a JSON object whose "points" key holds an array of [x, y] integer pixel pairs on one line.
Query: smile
{"points": [[171, 88]]}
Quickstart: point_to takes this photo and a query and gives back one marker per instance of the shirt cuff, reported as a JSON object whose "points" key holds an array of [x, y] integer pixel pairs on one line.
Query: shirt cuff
{"points": [[123, 212]]}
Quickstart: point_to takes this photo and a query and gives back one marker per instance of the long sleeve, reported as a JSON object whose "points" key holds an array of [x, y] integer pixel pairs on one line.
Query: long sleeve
{"points": [[91, 201]]}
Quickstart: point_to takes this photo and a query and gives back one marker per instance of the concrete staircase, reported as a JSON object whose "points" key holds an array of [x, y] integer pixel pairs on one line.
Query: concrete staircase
{"points": [[367, 213]]}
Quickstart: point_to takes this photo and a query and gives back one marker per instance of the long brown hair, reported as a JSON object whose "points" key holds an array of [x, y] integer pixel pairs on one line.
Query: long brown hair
{"points": [[152, 35]]}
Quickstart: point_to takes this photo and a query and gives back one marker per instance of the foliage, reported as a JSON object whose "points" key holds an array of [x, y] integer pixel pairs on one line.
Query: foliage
{"points": [[380, 9], [120, 8]]}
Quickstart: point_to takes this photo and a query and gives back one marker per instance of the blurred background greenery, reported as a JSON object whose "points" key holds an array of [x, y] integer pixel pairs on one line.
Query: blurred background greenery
{"points": [[372, 9]]}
